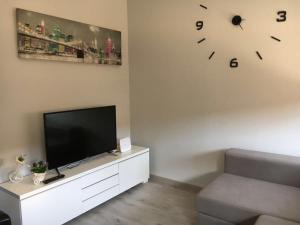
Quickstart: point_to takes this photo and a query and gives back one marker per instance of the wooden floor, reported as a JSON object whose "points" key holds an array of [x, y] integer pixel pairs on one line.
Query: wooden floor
{"points": [[148, 204]]}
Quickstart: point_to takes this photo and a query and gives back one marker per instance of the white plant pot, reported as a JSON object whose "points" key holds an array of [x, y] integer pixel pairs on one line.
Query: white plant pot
{"points": [[38, 178]]}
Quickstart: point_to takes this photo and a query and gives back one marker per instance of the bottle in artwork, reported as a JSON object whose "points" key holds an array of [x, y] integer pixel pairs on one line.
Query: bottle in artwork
{"points": [[108, 47], [43, 27]]}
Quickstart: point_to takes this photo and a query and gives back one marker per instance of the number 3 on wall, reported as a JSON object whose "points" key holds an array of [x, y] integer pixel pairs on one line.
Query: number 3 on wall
{"points": [[282, 16]]}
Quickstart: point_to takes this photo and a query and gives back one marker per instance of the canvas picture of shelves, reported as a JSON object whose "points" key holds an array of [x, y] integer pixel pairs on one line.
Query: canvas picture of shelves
{"points": [[47, 37]]}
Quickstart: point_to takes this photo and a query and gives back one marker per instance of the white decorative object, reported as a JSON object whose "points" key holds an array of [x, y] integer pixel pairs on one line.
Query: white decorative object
{"points": [[16, 176], [83, 188], [125, 144], [38, 178]]}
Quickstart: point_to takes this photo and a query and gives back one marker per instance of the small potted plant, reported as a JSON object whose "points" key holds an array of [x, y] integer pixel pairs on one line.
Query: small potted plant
{"points": [[39, 171]]}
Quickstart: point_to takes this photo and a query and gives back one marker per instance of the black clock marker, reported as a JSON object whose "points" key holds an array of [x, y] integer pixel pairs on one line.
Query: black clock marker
{"points": [[211, 55], [259, 55], [201, 40], [204, 7], [275, 38]]}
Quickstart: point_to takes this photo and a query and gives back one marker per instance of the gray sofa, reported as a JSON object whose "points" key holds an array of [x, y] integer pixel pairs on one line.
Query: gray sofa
{"points": [[256, 188]]}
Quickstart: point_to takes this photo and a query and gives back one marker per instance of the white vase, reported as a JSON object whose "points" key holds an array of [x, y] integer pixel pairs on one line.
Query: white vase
{"points": [[38, 178], [16, 176]]}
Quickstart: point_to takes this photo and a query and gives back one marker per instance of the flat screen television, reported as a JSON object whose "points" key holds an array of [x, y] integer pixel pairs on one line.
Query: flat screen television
{"points": [[71, 136]]}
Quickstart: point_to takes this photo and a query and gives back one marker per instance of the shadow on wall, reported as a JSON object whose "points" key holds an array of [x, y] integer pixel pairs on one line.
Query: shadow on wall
{"points": [[214, 160], [197, 168], [217, 169]]}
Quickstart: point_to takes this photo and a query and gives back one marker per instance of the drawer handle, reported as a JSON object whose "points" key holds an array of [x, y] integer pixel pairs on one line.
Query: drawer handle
{"points": [[100, 193], [98, 182]]}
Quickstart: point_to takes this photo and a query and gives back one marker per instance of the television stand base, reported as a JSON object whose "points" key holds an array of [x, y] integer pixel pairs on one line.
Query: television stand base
{"points": [[73, 165], [52, 179], [114, 152]]}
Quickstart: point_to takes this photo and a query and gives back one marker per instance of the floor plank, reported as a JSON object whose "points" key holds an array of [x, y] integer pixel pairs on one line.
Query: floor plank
{"points": [[147, 204]]}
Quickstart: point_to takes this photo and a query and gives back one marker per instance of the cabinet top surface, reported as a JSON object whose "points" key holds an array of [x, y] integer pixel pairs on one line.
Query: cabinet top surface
{"points": [[27, 189]]}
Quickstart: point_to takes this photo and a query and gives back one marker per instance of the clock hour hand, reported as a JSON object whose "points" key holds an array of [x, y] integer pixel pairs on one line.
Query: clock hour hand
{"points": [[241, 27]]}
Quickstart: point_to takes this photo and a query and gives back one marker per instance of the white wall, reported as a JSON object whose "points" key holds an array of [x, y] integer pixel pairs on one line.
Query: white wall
{"points": [[30, 87], [188, 109]]}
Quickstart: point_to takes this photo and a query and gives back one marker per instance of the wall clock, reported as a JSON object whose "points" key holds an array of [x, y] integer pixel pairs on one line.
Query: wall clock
{"points": [[237, 22]]}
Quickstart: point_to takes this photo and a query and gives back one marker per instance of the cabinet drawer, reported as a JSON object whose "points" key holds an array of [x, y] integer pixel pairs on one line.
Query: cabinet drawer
{"points": [[100, 198], [98, 175], [99, 187]]}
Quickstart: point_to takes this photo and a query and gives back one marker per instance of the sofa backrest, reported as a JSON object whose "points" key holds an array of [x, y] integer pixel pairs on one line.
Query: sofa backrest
{"points": [[280, 169]]}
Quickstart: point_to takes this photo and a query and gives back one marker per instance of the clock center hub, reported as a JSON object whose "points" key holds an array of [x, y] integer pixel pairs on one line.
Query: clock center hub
{"points": [[237, 20]]}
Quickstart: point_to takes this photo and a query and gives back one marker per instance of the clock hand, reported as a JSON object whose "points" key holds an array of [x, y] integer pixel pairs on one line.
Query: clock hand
{"points": [[241, 27]]}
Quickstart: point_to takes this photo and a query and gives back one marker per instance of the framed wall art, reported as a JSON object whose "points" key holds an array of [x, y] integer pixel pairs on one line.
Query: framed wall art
{"points": [[47, 37]]}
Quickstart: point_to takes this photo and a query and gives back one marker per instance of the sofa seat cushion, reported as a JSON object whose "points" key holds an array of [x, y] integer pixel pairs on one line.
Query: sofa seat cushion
{"points": [[269, 220], [237, 199]]}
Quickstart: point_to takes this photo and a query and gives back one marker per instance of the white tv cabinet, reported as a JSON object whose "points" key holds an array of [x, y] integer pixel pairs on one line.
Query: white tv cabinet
{"points": [[83, 188]]}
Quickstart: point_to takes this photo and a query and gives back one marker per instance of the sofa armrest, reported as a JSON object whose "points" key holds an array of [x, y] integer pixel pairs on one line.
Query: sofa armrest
{"points": [[280, 169]]}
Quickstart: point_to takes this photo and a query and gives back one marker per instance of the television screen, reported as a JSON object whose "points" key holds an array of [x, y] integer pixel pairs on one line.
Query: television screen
{"points": [[71, 136]]}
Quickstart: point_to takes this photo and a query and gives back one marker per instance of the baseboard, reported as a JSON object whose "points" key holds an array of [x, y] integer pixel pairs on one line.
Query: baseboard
{"points": [[175, 184]]}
